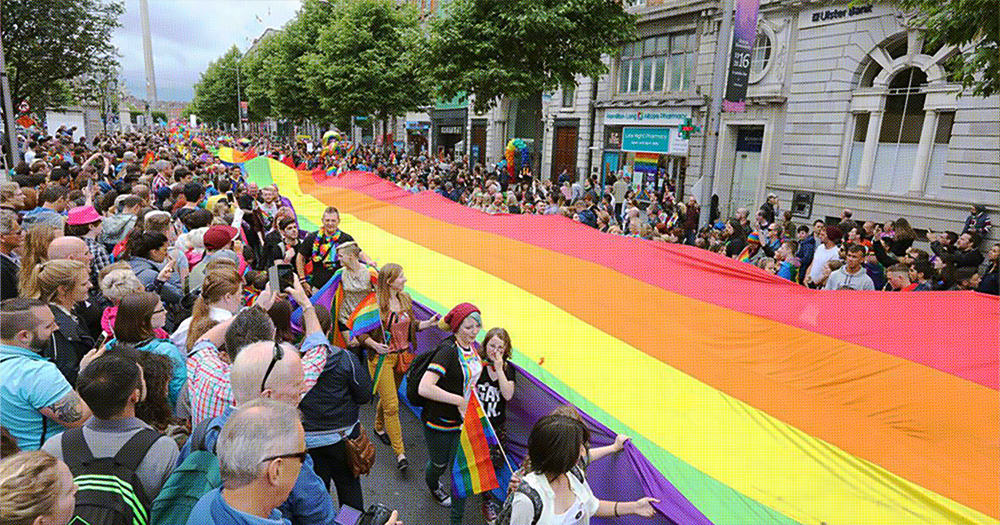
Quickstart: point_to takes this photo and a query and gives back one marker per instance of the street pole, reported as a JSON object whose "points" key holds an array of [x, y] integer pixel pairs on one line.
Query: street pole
{"points": [[707, 168], [147, 48], [239, 101], [8, 111]]}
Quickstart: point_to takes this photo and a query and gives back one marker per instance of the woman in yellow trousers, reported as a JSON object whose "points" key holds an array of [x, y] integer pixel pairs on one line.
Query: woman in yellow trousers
{"points": [[400, 326]]}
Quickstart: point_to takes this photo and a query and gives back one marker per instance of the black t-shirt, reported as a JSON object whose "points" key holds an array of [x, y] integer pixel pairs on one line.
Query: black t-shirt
{"points": [[322, 272], [488, 390]]}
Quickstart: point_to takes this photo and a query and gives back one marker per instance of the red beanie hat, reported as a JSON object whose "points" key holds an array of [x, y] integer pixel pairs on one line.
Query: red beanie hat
{"points": [[455, 317]]}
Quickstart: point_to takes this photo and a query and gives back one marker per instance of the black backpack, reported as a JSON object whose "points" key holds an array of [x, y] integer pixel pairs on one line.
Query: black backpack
{"points": [[414, 374], [110, 492]]}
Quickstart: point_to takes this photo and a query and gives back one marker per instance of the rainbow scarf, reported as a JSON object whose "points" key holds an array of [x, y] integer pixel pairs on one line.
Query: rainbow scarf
{"points": [[472, 472]]}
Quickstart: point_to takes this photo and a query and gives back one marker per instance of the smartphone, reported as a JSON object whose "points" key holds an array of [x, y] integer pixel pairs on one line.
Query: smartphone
{"points": [[100, 342], [281, 276]]}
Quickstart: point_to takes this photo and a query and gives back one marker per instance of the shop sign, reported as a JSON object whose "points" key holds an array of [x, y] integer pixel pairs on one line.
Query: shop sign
{"points": [[830, 16], [646, 117], [646, 140], [419, 126], [451, 130]]}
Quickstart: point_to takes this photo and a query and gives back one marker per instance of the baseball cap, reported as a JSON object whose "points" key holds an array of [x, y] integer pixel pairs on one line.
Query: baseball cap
{"points": [[219, 236]]}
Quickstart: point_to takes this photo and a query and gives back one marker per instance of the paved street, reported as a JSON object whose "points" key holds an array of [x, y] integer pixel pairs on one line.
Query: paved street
{"points": [[407, 493]]}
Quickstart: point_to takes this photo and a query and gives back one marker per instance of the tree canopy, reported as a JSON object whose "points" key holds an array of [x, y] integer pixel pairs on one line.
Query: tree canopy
{"points": [[48, 43], [964, 23], [215, 97], [521, 48], [367, 61]]}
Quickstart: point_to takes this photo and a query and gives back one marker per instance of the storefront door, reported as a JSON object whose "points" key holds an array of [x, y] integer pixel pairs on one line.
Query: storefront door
{"points": [[564, 154], [746, 168]]}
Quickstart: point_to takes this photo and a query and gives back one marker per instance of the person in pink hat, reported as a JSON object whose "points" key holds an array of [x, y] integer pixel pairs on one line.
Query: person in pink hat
{"points": [[84, 222]]}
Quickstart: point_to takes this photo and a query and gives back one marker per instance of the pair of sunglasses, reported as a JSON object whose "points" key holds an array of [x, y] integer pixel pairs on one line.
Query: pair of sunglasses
{"points": [[278, 355]]}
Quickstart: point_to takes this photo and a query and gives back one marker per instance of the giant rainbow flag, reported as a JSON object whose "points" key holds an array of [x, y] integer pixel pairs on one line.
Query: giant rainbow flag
{"points": [[749, 400]]}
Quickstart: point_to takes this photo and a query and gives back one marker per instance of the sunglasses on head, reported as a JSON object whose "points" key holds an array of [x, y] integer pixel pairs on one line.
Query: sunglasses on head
{"points": [[300, 455], [278, 355]]}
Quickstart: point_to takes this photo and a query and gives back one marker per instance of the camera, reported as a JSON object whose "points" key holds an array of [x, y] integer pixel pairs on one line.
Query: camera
{"points": [[377, 514]]}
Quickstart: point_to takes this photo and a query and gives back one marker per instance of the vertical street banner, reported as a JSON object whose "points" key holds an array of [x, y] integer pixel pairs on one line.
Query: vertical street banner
{"points": [[744, 35]]}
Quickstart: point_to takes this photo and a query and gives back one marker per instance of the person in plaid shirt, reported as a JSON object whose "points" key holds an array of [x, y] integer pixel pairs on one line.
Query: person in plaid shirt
{"points": [[209, 388], [84, 222]]}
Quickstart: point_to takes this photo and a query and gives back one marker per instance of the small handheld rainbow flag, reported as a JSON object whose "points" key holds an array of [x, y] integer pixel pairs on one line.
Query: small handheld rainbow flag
{"points": [[473, 471], [365, 317], [147, 159]]}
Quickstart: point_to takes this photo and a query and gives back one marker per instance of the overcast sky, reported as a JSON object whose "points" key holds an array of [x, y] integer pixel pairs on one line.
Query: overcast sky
{"points": [[187, 35]]}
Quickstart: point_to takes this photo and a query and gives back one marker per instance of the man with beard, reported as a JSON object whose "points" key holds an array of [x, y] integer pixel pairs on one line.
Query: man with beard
{"points": [[36, 401]]}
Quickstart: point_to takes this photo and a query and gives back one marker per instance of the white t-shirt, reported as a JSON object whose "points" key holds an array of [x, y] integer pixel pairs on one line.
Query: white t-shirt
{"points": [[820, 258], [180, 335], [522, 510]]}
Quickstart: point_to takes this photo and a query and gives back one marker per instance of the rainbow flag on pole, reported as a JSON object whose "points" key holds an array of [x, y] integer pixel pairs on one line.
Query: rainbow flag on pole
{"points": [[647, 162], [473, 471], [147, 159]]}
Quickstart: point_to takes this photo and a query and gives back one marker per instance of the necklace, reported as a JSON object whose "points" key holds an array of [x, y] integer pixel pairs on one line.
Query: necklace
{"points": [[323, 249]]}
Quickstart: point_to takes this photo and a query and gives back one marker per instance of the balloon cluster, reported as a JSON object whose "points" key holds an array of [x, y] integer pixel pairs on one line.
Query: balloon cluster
{"points": [[331, 136], [517, 156]]}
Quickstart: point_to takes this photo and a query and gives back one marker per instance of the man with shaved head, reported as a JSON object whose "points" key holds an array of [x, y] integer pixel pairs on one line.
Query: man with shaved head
{"points": [[72, 248]]}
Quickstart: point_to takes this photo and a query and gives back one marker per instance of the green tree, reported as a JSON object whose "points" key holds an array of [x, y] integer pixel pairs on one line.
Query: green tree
{"points": [[522, 48], [215, 93], [48, 43], [368, 61], [285, 65], [964, 23]]}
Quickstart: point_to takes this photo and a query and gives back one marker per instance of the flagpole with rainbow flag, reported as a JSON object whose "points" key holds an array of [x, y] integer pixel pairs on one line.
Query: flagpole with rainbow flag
{"points": [[473, 472]]}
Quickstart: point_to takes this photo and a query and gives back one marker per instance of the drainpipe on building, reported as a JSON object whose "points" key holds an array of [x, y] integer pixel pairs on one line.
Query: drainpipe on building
{"points": [[593, 127], [719, 70]]}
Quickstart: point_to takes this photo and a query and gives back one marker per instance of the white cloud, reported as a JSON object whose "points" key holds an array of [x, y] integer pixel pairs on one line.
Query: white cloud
{"points": [[187, 35]]}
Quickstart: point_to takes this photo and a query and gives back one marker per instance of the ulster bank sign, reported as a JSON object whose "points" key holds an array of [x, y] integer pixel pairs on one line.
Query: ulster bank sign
{"points": [[831, 15]]}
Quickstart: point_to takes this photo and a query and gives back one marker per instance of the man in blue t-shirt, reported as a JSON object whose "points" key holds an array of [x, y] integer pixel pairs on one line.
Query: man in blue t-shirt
{"points": [[36, 401]]}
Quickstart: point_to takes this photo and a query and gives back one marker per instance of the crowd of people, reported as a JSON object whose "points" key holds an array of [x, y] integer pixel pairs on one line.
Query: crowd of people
{"points": [[144, 341]]}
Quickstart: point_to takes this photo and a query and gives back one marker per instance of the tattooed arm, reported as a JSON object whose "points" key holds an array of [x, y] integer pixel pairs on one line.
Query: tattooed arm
{"points": [[70, 411]]}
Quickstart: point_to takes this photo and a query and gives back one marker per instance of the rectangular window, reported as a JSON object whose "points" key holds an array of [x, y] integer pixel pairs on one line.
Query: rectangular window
{"points": [[857, 148], [656, 64], [568, 95], [946, 119]]}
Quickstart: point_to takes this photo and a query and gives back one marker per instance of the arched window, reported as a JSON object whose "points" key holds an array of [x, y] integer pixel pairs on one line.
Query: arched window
{"points": [[902, 109], [761, 56], [899, 138]]}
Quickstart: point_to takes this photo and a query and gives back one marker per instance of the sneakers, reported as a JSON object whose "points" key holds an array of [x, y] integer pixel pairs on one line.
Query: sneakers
{"points": [[402, 464], [441, 496], [383, 437]]}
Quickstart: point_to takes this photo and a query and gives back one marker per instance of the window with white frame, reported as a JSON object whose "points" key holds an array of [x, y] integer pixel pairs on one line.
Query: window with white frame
{"points": [[657, 64], [568, 95], [908, 96], [899, 136], [761, 57]]}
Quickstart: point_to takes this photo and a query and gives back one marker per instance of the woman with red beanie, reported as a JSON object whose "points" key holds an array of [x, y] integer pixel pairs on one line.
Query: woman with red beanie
{"points": [[450, 378]]}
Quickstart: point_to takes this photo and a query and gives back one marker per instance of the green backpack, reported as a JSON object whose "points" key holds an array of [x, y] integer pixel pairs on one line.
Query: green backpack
{"points": [[193, 478]]}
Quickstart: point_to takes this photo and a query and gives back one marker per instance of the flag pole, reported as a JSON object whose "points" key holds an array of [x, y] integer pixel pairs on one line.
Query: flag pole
{"points": [[490, 423]]}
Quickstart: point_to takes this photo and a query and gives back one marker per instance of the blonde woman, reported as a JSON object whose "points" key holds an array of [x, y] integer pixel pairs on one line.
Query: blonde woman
{"points": [[400, 326], [63, 283], [35, 250], [36, 488], [220, 299]]}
